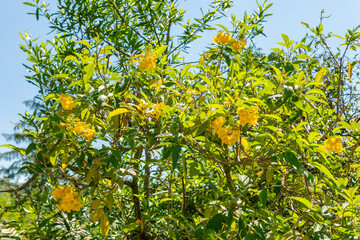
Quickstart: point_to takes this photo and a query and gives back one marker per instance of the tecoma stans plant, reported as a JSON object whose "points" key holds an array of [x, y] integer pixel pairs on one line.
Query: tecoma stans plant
{"points": [[132, 140]]}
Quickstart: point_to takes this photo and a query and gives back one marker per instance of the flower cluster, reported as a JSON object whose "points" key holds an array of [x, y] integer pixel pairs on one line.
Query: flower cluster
{"points": [[333, 144], [248, 115], [68, 198], [158, 109], [237, 45], [142, 105], [217, 123], [147, 62], [80, 128], [222, 38], [66, 102], [226, 134]]}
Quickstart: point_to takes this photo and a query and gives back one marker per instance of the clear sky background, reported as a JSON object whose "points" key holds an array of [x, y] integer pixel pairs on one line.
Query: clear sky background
{"points": [[286, 18]]}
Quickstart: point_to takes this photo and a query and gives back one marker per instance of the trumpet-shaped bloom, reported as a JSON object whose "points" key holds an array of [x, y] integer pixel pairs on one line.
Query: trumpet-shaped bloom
{"points": [[147, 61], [248, 115], [237, 45], [88, 132], [222, 38], [217, 123], [68, 198], [228, 136], [333, 144], [158, 109], [66, 102]]}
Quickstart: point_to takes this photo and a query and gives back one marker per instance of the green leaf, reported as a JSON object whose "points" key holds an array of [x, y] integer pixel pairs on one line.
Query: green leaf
{"points": [[89, 73], [60, 76], [313, 136], [95, 204], [273, 116], [53, 158], [335, 35], [317, 91], [269, 174], [37, 13], [29, 4], [216, 222], [303, 56], [320, 75], [324, 170], [278, 50], [30, 148], [19, 150], [83, 42], [175, 155], [263, 197], [104, 225], [185, 70], [107, 50], [292, 159], [285, 38], [304, 201], [71, 58], [345, 125], [223, 27], [97, 215], [243, 226], [160, 50], [229, 219]]}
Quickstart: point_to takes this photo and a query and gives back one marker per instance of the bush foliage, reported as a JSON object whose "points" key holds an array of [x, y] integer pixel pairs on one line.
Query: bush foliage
{"points": [[132, 141]]}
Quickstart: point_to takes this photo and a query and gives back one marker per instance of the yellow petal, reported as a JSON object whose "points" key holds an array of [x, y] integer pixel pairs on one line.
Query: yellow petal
{"points": [[245, 143]]}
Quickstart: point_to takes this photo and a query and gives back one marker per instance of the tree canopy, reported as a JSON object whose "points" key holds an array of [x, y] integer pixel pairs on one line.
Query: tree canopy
{"points": [[130, 140]]}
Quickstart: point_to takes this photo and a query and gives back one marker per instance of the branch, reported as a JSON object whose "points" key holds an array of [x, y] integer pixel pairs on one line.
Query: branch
{"points": [[133, 29], [23, 186]]}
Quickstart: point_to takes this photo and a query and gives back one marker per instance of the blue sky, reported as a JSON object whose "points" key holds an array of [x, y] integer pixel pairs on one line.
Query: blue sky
{"points": [[287, 15]]}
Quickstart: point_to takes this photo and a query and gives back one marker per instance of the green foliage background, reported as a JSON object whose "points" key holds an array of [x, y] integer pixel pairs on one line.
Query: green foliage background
{"points": [[168, 175]]}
